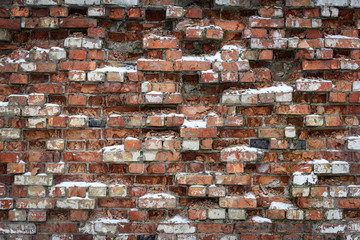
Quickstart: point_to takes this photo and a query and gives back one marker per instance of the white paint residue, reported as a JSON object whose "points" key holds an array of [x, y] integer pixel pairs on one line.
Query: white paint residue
{"points": [[319, 161], [123, 69], [213, 58], [193, 58], [51, 105], [157, 196], [250, 195], [177, 219], [57, 49], [130, 138], [281, 206], [261, 219], [194, 124], [42, 50], [154, 36], [78, 116], [339, 162], [114, 148], [332, 228], [232, 47], [340, 36], [155, 93], [273, 89], [306, 80], [80, 184], [110, 221], [241, 148]]}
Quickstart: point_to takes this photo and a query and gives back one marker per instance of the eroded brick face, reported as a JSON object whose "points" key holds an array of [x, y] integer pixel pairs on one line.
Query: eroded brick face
{"points": [[223, 120]]}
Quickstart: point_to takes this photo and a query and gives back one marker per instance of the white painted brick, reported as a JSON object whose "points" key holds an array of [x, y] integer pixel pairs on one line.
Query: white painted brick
{"points": [[302, 179], [96, 11], [10, 133], [237, 214], [354, 143], [191, 145], [96, 76], [338, 191], [36, 122], [314, 120], [176, 228], [73, 42], [335, 214], [295, 214], [76, 203], [290, 132], [230, 99], [33, 180], [216, 213], [356, 86], [300, 191], [283, 97], [340, 167], [97, 191], [57, 54], [43, 2], [122, 2], [339, 3], [322, 167], [78, 121], [92, 43]]}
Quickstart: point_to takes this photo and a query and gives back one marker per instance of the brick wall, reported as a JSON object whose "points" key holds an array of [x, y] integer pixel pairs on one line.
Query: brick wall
{"points": [[165, 119]]}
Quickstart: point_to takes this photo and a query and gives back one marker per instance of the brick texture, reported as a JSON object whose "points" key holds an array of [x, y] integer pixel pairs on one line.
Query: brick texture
{"points": [[162, 119]]}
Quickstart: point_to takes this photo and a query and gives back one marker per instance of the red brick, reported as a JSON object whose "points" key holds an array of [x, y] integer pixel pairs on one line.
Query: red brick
{"points": [[77, 65], [215, 228], [197, 214], [266, 23], [337, 97], [9, 157], [58, 12], [77, 54], [230, 25], [96, 32], [150, 43], [198, 133], [13, 24], [266, 55], [211, 33], [117, 13], [237, 202], [194, 33], [135, 215], [349, 203], [321, 65], [155, 65], [77, 100], [136, 13], [78, 23], [137, 228], [76, 215], [19, 12], [193, 13]]}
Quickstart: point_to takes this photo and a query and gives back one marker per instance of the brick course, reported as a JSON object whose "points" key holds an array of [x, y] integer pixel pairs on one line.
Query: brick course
{"points": [[128, 119]]}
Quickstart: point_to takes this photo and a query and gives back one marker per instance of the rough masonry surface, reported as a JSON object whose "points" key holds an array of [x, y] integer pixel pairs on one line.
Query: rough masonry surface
{"points": [[177, 119]]}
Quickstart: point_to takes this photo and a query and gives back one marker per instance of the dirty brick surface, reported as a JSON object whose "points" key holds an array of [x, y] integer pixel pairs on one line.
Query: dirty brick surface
{"points": [[177, 119]]}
